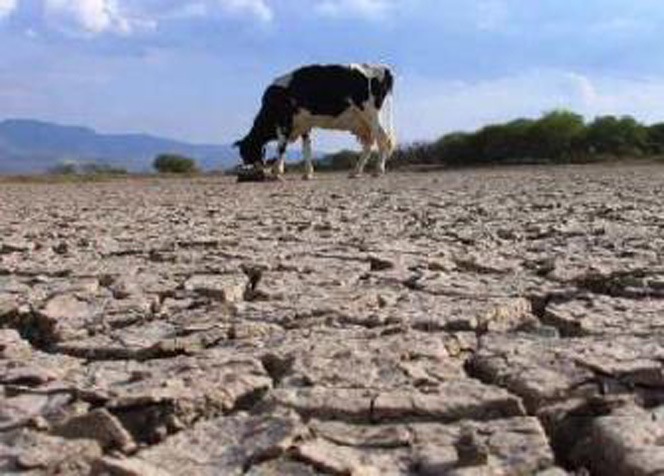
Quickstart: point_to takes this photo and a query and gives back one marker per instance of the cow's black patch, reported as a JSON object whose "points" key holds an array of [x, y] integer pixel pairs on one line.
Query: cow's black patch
{"points": [[380, 89], [276, 113], [328, 90]]}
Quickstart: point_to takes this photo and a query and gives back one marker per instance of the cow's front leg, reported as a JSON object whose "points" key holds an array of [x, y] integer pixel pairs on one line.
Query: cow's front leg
{"points": [[306, 153], [278, 168]]}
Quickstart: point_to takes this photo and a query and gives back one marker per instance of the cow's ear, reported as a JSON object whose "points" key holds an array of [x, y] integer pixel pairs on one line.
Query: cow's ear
{"points": [[237, 143]]}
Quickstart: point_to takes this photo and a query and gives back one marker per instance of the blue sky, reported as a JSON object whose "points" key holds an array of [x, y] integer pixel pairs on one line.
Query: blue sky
{"points": [[195, 69]]}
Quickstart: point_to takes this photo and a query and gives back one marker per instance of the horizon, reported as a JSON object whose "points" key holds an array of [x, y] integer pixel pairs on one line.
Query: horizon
{"points": [[195, 70], [587, 120]]}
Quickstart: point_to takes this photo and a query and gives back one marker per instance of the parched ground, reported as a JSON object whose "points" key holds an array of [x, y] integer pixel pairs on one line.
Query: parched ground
{"points": [[506, 321]]}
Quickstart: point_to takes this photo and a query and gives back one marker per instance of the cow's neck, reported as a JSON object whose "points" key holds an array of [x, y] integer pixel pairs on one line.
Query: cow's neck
{"points": [[261, 133]]}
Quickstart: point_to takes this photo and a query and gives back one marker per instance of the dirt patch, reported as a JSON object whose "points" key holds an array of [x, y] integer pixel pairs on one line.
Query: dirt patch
{"points": [[498, 321]]}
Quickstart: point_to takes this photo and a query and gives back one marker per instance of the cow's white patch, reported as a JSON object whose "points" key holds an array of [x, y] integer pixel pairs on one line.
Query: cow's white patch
{"points": [[283, 81], [307, 154], [370, 70], [353, 119]]}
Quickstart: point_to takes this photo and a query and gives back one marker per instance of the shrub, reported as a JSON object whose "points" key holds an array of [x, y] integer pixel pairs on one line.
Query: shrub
{"points": [[557, 135], [174, 164], [611, 135], [343, 160], [656, 138], [93, 168], [64, 168], [71, 167], [616, 136]]}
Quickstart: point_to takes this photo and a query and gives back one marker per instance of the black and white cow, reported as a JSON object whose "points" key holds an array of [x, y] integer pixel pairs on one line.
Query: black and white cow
{"points": [[340, 97]]}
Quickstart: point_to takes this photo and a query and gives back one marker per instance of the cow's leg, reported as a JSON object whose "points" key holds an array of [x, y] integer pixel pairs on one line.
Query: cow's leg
{"points": [[307, 154], [362, 160], [281, 154], [385, 149]]}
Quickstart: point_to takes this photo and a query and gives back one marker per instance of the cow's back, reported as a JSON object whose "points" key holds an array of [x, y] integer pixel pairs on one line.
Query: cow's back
{"points": [[326, 90]]}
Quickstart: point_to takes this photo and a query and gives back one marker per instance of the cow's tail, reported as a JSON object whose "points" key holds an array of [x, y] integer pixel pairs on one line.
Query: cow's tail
{"points": [[388, 120]]}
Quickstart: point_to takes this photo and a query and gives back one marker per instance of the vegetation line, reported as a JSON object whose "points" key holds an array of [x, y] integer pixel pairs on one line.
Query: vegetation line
{"points": [[559, 136]]}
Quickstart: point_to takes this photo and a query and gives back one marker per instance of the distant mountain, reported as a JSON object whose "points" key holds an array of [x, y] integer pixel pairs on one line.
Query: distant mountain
{"points": [[37, 146]]}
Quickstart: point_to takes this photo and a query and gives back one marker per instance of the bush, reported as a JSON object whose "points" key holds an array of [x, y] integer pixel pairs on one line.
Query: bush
{"points": [[557, 136], [618, 137], [72, 167], [174, 164], [656, 138], [93, 168], [343, 160], [64, 168]]}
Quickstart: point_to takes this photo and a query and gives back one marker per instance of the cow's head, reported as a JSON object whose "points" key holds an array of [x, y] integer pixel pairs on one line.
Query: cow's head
{"points": [[251, 151]]}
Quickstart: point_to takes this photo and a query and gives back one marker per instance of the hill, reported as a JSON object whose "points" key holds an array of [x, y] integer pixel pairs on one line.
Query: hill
{"points": [[35, 146]]}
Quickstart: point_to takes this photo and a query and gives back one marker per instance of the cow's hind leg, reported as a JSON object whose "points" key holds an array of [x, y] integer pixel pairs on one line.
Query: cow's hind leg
{"points": [[385, 149], [306, 153]]}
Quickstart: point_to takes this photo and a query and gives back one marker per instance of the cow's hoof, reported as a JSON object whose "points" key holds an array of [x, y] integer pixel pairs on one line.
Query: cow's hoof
{"points": [[354, 175], [378, 173], [308, 177]]}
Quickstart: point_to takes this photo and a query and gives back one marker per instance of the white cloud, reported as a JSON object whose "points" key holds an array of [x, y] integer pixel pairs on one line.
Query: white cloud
{"points": [[189, 10], [92, 17], [7, 7], [256, 8], [372, 9], [583, 89], [492, 15], [88, 18], [445, 106], [639, 97]]}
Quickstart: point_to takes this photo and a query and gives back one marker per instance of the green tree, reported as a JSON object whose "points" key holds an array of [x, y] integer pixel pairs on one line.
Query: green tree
{"points": [[414, 153], [66, 167], [495, 143], [617, 136], [656, 138], [556, 135], [343, 160], [94, 168], [456, 148], [174, 164]]}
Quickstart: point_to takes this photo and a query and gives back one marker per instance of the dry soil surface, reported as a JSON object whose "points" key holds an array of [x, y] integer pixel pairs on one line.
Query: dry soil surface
{"points": [[473, 323]]}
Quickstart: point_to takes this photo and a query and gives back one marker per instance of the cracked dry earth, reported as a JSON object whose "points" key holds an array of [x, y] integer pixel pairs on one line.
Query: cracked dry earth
{"points": [[473, 323]]}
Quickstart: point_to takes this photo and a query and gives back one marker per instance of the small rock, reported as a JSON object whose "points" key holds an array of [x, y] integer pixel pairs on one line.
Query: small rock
{"points": [[226, 445], [625, 443], [63, 317], [101, 426], [61, 248], [8, 307], [436, 460], [110, 466], [333, 459], [12, 346], [225, 288], [8, 247], [124, 287], [471, 451], [380, 264], [26, 450]]}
